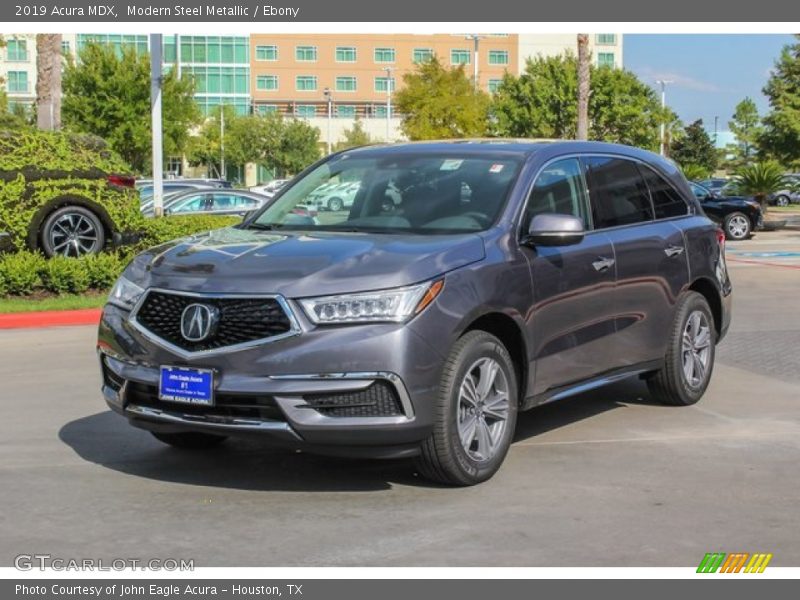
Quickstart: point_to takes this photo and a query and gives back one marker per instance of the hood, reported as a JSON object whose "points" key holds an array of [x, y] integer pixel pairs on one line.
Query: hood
{"points": [[301, 264]]}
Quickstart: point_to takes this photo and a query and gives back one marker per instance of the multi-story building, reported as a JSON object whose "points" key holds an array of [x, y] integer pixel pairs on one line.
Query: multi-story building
{"points": [[18, 69], [354, 75]]}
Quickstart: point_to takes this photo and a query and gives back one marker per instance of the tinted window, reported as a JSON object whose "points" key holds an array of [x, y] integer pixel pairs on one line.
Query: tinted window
{"points": [[232, 202], [618, 194], [699, 192], [191, 204], [559, 188], [666, 201]]}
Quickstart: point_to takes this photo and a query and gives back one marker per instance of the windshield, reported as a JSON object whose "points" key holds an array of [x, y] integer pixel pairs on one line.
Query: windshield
{"points": [[396, 193]]}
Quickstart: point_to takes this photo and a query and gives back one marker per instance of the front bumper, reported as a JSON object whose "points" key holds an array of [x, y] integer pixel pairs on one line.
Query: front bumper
{"points": [[269, 390]]}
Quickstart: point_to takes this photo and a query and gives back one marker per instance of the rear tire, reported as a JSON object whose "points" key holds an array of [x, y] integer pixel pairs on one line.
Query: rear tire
{"points": [[335, 204], [738, 226], [190, 440], [475, 413], [689, 360], [72, 231], [782, 201]]}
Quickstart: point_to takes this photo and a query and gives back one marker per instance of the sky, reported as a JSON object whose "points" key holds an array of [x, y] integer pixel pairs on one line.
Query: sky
{"points": [[710, 73]]}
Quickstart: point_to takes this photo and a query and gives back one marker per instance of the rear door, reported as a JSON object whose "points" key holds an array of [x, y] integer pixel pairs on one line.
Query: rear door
{"points": [[572, 319], [640, 212]]}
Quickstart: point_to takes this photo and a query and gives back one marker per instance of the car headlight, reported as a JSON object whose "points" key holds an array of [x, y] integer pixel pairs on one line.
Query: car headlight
{"points": [[125, 294], [395, 305]]}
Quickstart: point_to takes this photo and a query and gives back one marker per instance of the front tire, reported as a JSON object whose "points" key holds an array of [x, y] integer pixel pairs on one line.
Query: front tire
{"points": [[72, 231], [782, 201], [737, 226], [689, 360], [190, 440], [335, 204], [476, 412]]}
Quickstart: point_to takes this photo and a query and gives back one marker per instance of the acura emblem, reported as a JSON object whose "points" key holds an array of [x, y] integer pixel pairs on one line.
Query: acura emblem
{"points": [[199, 322]]}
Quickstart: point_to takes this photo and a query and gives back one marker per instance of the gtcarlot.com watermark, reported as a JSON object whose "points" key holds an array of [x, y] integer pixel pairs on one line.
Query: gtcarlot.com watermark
{"points": [[43, 562]]}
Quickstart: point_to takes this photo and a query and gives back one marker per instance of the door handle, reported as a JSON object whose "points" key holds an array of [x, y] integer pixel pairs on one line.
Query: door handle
{"points": [[673, 251], [603, 264]]}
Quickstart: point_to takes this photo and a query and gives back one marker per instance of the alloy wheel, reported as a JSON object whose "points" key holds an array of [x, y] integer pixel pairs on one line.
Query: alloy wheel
{"points": [[73, 234], [738, 226], [483, 409], [696, 349]]}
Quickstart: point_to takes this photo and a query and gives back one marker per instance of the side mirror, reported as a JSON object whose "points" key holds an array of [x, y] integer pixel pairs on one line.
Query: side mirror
{"points": [[551, 229]]}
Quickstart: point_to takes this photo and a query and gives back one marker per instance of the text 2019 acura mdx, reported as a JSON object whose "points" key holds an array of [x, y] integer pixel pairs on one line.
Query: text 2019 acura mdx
{"points": [[501, 276]]}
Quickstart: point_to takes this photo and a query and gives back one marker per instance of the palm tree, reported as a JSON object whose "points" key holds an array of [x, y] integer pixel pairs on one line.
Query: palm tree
{"points": [[48, 81], [760, 180], [583, 86]]}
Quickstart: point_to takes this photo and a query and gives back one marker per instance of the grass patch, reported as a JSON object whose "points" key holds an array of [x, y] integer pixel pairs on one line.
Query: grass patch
{"points": [[40, 302], [792, 208]]}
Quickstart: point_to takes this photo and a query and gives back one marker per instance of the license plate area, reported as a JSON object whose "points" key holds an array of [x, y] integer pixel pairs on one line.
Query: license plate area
{"points": [[186, 385]]}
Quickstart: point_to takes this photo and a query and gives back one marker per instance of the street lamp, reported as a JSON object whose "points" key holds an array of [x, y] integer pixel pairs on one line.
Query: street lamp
{"points": [[329, 99], [663, 83], [389, 71], [476, 42]]}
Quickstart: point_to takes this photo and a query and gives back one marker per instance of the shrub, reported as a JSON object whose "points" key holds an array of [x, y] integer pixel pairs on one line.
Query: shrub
{"points": [[61, 275], [20, 272], [103, 269]]}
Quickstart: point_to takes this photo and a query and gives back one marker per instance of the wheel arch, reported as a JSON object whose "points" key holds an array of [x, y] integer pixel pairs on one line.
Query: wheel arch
{"points": [[706, 288], [35, 227]]}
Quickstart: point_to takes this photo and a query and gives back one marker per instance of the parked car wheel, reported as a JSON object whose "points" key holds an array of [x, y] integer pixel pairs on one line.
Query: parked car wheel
{"points": [[782, 200], [690, 354], [72, 231], [737, 226], [476, 412], [335, 204], [190, 440]]}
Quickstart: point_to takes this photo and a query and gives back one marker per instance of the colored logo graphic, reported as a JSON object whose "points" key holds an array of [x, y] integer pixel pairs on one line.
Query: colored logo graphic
{"points": [[739, 562]]}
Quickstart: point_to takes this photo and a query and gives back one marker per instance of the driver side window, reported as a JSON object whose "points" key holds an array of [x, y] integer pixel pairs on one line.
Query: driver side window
{"points": [[559, 188]]}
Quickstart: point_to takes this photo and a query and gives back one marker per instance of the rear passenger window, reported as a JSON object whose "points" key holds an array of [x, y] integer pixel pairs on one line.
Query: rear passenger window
{"points": [[558, 188], [618, 193], [666, 201]]}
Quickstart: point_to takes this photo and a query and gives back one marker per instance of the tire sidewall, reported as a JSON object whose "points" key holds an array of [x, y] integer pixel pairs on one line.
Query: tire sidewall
{"points": [[693, 302], [480, 346], [782, 201], [44, 238], [335, 204]]}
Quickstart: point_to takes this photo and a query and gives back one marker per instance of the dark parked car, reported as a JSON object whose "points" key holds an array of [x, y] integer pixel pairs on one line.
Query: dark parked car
{"points": [[209, 201], [738, 216], [64, 194], [420, 328], [715, 184]]}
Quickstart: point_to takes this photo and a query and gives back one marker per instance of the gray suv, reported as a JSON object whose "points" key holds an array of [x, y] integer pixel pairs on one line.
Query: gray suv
{"points": [[503, 275]]}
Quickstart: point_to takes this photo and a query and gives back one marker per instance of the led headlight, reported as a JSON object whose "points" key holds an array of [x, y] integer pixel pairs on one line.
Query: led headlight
{"points": [[398, 304], [125, 294]]}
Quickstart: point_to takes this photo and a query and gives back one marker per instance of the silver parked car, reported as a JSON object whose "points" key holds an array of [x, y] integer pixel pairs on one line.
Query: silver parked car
{"points": [[210, 201]]}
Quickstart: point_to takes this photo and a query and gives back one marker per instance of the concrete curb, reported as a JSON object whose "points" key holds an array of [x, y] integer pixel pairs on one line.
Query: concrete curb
{"points": [[50, 318]]}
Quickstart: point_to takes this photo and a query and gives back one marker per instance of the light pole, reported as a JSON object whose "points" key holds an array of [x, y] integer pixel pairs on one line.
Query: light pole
{"points": [[329, 99], [155, 123], [476, 39], [663, 83], [389, 71], [222, 140]]}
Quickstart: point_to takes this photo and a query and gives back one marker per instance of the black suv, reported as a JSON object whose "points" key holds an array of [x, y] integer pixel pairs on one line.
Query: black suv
{"points": [[468, 281]]}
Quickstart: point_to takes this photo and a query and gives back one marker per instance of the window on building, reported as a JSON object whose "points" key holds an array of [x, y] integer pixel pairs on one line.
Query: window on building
{"points": [[65, 47], [384, 55], [606, 59], [618, 192], [265, 109], [267, 83], [345, 54], [346, 112], [17, 81], [345, 84], [498, 57], [267, 53], [384, 84], [459, 56], [494, 84], [305, 53], [306, 83], [305, 111], [422, 55], [16, 50], [379, 111], [606, 39]]}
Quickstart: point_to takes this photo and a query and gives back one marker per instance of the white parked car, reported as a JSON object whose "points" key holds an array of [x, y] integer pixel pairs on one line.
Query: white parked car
{"points": [[271, 188], [335, 196]]}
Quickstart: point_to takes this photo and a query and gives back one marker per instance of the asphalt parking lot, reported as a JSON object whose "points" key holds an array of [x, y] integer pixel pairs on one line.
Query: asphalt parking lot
{"points": [[603, 479]]}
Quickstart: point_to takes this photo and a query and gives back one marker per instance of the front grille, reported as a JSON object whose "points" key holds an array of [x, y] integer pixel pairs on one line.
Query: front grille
{"points": [[378, 400], [241, 320], [240, 406]]}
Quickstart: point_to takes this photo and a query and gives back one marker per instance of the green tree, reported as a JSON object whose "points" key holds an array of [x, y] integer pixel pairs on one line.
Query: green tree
{"points": [[439, 102], [107, 93], [205, 147], [760, 180], [746, 126], [353, 137], [542, 103], [695, 148], [781, 136]]}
